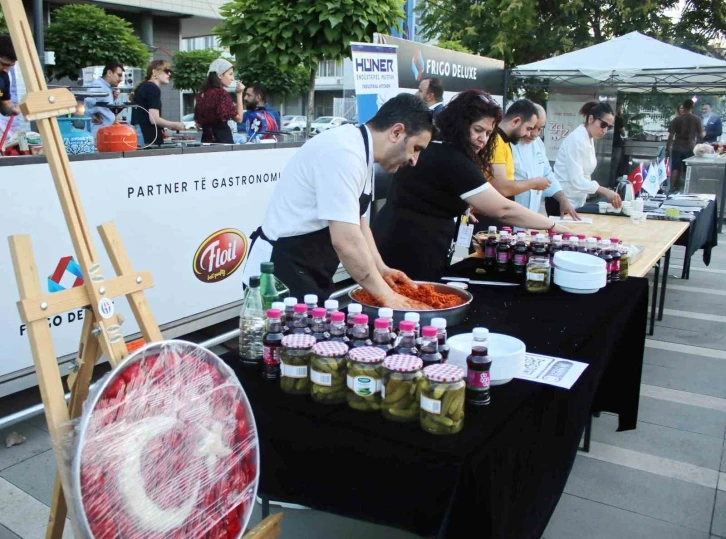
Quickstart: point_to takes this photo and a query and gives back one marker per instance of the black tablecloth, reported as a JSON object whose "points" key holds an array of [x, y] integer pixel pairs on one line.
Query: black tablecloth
{"points": [[504, 473]]}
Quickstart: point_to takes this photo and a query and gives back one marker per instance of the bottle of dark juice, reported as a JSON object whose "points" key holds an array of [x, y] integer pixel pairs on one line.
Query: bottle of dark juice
{"points": [[338, 328], [300, 320], [406, 344], [382, 334], [504, 253], [271, 344], [318, 327], [519, 258], [490, 247], [429, 349], [360, 333], [478, 365], [440, 325]]}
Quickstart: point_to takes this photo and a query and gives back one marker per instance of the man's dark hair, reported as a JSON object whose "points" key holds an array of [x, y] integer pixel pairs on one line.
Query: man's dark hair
{"points": [[706, 103], [261, 90], [407, 109], [688, 104], [212, 81], [6, 48], [521, 108], [436, 87], [112, 67]]}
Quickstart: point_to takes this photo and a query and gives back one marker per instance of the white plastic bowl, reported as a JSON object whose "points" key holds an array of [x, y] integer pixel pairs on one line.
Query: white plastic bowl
{"points": [[578, 262], [507, 355], [580, 283]]}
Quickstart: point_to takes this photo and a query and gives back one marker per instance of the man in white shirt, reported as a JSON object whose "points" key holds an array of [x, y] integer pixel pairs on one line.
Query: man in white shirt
{"points": [[431, 90], [530, 162], [113, 75], [316, 217]]}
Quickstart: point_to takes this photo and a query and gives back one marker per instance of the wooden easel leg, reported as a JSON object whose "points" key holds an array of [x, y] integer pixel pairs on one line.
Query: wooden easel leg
{"points": [[88, 354]]}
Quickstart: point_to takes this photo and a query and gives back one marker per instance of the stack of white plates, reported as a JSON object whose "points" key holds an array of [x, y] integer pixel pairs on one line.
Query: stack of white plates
{"points": [[579, 273]]}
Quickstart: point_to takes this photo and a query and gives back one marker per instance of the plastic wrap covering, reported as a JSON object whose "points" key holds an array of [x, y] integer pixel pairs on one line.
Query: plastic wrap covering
{"points": [[166, 447]]}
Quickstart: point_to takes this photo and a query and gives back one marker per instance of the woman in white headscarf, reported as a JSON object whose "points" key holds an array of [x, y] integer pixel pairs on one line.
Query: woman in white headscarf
{"points": [[214, 107]]}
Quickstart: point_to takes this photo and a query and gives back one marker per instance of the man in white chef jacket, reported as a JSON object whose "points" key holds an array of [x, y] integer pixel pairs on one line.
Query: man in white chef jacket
{"points": [[530, 161]]}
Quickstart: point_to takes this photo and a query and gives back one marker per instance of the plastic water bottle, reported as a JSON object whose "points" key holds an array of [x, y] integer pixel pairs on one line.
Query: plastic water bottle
{"points": [[252, 325]]}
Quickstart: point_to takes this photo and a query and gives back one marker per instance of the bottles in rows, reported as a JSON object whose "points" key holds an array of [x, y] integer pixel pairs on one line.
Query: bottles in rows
{"points": [[591, 246], [387, 313], [360, 335], [318, 325], [429, 349], [478, 364], [338, 328], [607, 256], [271, 344], [556, 246], [519, 255], [490, 247], [311, 302], [280, 306], [504, 252], [406, 344], [353, 310], [382, 337], [271, 288], [251, 325], [581, 241], [300, 320], [331, 306], [539, 249], [574, 244], [440, 325], [416, 319]]}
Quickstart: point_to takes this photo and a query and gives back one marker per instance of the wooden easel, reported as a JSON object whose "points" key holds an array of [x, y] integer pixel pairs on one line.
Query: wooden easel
{"points": [[101, 331]]}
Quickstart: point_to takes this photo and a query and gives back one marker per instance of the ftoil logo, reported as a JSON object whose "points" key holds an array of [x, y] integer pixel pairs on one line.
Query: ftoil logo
{"points": [[219, 255], [368, 65], [418, 65]]}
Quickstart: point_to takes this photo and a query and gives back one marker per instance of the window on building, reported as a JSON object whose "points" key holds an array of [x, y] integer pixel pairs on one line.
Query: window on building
{"points": [[330, 68], [200, 43]]}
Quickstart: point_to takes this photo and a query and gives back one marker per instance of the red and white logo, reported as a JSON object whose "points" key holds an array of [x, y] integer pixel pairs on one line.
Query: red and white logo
{"points": [[220, 255]]}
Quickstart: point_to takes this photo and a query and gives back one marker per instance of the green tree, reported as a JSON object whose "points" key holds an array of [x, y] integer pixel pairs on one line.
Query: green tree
{"points": [[292, 81], [83, 35], [191, 68], [3, 26], [302, 32], [453, 46]]}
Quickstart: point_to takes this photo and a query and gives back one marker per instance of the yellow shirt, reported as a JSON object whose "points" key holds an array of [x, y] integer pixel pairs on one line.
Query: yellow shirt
{"points": [[503, 156]]}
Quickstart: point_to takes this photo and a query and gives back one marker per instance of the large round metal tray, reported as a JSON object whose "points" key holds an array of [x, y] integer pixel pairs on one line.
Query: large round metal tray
{"points": [[184, 349], [453, 315]]}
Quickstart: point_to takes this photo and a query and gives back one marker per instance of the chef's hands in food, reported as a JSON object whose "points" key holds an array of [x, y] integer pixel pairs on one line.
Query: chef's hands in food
{"points": [[540, 184], [397, 301], [566, 208], [395, 277]]}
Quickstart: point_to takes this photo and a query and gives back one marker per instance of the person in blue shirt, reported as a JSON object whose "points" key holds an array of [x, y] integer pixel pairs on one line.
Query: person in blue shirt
{"points": [[113, 75], [530, 161], [711, 123], [260, 120]]}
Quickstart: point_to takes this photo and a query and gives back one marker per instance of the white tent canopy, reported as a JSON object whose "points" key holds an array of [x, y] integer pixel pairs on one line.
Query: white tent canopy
{"points": [[632, 63]]}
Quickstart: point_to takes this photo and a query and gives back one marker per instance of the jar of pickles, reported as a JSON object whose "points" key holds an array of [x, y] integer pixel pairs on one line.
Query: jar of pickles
{"points": [[294, 363], [328, 371], [365, 372], [538, 275], [401, 388], [624, 262], [442, 399]]}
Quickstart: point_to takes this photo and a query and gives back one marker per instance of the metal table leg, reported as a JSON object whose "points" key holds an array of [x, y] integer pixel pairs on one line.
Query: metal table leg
{"points": [[265, 506], [654, 297], [588, 432], [664, 280]]}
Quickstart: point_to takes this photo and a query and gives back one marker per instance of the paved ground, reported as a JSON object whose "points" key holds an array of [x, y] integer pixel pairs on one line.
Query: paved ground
{"points": [[664, 480]]}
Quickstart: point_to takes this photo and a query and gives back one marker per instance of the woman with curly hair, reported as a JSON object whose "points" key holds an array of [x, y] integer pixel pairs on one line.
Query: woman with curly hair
{"points": [[415, 229]]}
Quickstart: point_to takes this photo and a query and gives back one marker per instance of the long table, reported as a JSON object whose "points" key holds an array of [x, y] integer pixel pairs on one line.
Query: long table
{"points": [[503, 474]]}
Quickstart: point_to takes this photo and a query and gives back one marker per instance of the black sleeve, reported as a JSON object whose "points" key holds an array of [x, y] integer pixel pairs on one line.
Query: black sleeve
{"points": [[460, 173], [4, 86], [619, 123], [154, 97]]}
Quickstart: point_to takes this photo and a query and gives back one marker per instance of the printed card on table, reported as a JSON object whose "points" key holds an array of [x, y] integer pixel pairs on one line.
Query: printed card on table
{"points": [[550, 370]]}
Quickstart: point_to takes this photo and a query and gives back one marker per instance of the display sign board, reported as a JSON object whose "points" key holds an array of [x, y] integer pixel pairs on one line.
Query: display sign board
{"points": [[186, 218], [375, 69], [563, 117]]}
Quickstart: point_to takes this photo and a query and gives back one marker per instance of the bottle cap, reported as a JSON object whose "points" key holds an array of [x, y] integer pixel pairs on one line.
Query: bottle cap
{"points": [[507, 228], [492, 230], [412, 317], [310, 299], [319, 312], [300, 308], [429, 331], [360, 319], [381, 323], [280, 306], [355, 308], [255, 281], [385, 312], [606, 242], [533, 232], [614, 240], [598, 238], [480, 333], [504, 234], [573, 239], [581, 236], [337, 316], [566, 236], [267, 267], [557, 237], [273, 313], [407, 325], [290, 302], [591, 240], [439, 323], [540, 236], [521, 235], [331, 304]]}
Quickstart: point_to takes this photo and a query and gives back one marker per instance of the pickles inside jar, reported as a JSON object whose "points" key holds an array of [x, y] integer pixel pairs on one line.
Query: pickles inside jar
{"points": [[364, 378], [401, 388], [328, 370], [295, 363], [538, 275], [442, 399]]}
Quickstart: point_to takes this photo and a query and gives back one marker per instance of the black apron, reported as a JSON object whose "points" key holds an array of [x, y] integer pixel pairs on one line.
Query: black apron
{"points": [[217, 133], [307, 263]]}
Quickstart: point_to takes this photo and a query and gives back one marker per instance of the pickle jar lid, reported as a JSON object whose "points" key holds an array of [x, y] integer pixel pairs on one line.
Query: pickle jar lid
{"points": [[330, 349], [367, 354], [403, 363], [298, 341], [444, 372]]}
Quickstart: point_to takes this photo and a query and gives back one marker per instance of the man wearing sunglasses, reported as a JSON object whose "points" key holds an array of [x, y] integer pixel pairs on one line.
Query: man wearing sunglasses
{"points": [[7, 61]]}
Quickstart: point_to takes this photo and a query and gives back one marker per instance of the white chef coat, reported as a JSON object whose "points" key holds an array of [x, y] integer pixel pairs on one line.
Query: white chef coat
{"points": [[575, 163], [530, 161]]}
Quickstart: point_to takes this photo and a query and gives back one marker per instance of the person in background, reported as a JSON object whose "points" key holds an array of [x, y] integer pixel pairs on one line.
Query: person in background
{"points": [[530, 161], [113, 75], [679, 109], [260, 120], [683, 133], [147, 95], [16, 119], [618, 145], [576, 158], [431, 90], [7, 61], [214, 107], [711, 123], [415, 229]]}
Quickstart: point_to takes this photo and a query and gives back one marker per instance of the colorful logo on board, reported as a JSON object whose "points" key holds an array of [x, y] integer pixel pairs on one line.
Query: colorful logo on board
{"points": [[220, 255], [418, 65], [67, 275]]}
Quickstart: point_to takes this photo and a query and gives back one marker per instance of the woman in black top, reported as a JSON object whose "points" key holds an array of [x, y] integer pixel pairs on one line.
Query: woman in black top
{"points": [[147, 116], [415, 229]]}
